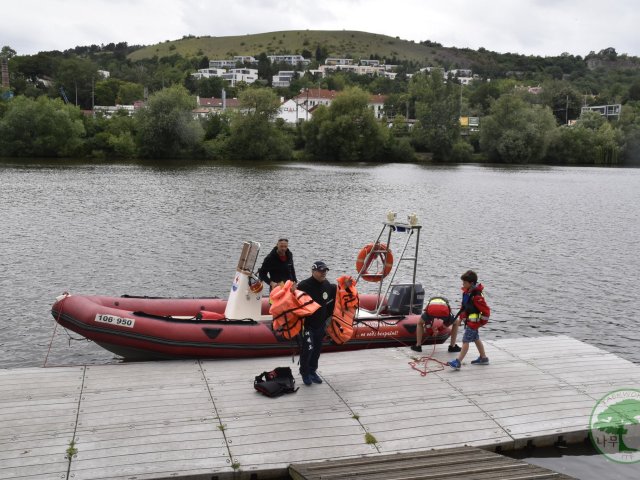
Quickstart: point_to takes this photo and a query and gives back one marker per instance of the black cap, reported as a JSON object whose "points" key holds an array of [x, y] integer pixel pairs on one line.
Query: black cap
{"points": [[320, 265]]}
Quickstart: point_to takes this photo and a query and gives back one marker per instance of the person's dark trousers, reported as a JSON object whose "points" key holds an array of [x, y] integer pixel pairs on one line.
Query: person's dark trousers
{"points": [[310, 350]]}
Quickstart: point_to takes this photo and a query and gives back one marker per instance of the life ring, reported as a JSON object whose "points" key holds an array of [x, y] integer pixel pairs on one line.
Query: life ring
{"points": [[369, 253]]}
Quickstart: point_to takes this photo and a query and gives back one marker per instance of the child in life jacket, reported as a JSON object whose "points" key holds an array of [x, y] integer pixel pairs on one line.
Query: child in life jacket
{"points": [[475, 313]]}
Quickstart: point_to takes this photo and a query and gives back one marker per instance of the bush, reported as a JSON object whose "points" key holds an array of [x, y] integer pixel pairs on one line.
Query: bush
{"points": [[462, 151]]}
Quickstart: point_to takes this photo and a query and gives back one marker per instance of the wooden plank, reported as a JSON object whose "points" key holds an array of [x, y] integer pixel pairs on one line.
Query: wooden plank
{"points": [[464, 462], [38, 409], [147, 420]]}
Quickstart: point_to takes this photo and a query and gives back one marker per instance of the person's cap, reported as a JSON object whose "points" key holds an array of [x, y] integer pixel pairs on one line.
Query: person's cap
{"points": [[320, 266]]}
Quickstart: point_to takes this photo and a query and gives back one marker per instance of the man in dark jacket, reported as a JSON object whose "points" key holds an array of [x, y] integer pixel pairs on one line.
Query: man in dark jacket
{"points": [[278, 265], [323, 293]]}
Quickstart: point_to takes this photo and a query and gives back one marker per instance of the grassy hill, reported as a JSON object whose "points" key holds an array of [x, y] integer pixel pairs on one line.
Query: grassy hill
{"points": [[342, 43]]}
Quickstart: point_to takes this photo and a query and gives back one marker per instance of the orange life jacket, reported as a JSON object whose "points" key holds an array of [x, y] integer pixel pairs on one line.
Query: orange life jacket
{"points": [[288, 308], [347, 301]]}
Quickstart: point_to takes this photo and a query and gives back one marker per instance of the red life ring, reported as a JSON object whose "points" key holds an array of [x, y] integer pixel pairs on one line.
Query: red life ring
{"points": [[381, 253]]}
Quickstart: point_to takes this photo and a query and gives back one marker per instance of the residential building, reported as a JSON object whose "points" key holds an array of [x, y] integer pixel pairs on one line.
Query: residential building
{"points": [[208, 73], [222, 63], [338, 61], [312, 97], [245, 59], [208, 106], [109, 111], [376, 102], [302, 106], [607, 111], [283, 78], [235, 75], [289, 59], [293, 111]]}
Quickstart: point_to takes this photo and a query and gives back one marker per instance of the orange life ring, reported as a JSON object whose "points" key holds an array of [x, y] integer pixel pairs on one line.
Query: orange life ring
{"points": [[369, 253]]}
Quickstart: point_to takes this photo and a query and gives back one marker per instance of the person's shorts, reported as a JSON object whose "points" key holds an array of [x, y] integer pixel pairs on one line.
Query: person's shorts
{"points": [[470, 335]]}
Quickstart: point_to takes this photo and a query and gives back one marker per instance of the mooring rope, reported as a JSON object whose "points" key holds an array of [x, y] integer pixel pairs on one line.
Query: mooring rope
{"points": [[64, 297], [421, 364]]}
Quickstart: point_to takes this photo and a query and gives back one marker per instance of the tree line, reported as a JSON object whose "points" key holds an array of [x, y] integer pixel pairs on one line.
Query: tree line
{"points": [[516, 126]]}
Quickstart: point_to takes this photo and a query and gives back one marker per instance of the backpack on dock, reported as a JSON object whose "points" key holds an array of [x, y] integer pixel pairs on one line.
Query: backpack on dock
{"points": [[276, 382]]}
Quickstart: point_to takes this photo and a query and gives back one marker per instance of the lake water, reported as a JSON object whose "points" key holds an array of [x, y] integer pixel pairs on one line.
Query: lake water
{"points": [[557, 248]]}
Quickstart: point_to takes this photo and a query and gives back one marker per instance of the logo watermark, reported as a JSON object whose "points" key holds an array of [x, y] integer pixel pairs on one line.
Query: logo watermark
{"points": [[614, 426]]}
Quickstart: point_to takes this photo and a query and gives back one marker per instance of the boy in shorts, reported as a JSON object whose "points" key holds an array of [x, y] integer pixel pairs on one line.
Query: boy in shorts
{"points": [[475, 313]]}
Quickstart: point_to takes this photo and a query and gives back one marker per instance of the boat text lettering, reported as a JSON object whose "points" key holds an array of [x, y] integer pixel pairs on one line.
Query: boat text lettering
{"points": [[389, 333], [113, 320]]}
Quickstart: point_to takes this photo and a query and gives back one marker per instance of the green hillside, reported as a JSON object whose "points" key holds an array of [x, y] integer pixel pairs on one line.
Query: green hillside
{"points": [[343, 43]]}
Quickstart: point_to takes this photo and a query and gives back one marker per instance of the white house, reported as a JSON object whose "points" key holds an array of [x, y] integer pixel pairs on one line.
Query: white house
{"points": [[290, 59], [376, 102], [208, 73], [283, 78], [235, 75], [293, 111]]}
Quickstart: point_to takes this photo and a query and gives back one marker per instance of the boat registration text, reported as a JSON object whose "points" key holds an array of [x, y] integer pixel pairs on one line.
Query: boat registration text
{"points": [[113, 320]]}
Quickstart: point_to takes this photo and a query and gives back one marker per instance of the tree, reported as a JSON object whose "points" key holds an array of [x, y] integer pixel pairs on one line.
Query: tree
{"points": [[76, 76], [563, 99], [260, 101], [437, 112], [516, 132], [253, 134], [166, 127], [346, 131], [40, 128], [7, 52], [591, 141]]}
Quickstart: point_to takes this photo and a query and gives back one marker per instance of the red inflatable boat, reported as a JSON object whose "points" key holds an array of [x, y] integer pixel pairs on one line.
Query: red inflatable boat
{"points": [[143, 328]]}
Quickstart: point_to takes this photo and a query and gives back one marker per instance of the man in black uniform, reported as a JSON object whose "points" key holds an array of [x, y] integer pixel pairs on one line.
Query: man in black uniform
{"points": [[278, 265], [324, 294]]}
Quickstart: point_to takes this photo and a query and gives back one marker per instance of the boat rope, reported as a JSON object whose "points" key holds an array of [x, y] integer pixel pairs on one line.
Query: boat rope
{"points": [[422, 364], [64, 297]]}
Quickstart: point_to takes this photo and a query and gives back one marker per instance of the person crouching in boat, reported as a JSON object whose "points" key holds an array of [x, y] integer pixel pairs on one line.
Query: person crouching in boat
{"points": [[277, 266], [323, 293]]}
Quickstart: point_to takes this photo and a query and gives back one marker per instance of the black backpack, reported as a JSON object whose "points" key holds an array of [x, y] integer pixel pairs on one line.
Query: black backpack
{"points": [[276, 382]]}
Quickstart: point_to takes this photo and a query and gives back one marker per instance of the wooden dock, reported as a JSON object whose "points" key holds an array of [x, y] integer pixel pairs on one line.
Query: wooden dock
{"points": [[203, 419]]}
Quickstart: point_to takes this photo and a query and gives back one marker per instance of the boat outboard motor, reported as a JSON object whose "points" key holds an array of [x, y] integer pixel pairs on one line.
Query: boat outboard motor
{"points": [[244, 299], [400, 297]]}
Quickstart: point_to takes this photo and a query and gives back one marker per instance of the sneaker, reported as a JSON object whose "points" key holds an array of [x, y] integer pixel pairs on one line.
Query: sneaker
{"points": [[307, 379], [416, 348], [455, 348], [480, 361], [315, 378], [455, 364]]}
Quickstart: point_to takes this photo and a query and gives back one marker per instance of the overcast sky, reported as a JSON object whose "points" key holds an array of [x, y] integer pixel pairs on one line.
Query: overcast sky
{"points": [[531, 27]]}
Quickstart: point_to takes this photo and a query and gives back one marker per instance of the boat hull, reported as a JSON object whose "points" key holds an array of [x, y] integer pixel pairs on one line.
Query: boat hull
{"points": [[143, 328]]}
